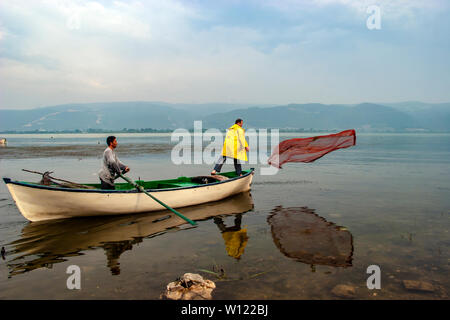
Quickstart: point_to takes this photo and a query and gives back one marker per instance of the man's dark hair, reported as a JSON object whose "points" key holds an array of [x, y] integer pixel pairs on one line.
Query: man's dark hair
{"points": [[110, 140], [237, 121]]}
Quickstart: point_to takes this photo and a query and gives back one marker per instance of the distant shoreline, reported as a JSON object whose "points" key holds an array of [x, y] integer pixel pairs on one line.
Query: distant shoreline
{"points": [[77, 131], [204, 130]]}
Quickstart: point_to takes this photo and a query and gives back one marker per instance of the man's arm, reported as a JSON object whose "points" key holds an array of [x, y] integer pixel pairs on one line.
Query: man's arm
{"points": [[122, 166], [113, 162], [242, 140]]}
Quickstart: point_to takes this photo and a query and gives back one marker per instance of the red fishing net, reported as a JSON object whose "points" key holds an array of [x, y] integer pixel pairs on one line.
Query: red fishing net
{"points": [[310, 149]]}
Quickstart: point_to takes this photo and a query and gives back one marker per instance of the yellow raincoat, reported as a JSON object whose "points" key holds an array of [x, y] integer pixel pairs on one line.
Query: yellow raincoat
{"points": [[235, 143]]}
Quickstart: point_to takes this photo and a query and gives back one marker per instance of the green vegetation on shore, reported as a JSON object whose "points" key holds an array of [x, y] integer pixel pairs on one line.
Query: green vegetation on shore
{"points": [[125, 130], [150, 130], [141, 130]]}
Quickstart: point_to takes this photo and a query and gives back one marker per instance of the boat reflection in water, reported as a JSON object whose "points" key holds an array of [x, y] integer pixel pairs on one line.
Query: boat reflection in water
{"points": [[301, 234], [44, 243]]}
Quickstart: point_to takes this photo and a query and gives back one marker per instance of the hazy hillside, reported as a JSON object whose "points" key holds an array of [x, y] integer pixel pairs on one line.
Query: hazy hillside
{"points": [[428, 115], [113, 116], [408, 116], [205, 109], [318, 116]]}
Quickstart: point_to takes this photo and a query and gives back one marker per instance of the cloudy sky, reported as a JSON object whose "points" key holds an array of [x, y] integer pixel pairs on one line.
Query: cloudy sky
{"points": [[197, 51]]}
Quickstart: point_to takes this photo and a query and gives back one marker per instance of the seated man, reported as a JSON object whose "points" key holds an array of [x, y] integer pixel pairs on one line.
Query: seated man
{"points": [[111, 165]]}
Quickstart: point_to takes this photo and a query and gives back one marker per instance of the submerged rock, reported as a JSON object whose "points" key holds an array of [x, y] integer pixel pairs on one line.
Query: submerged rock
{"points": [[190, 286], [344, 291], [418, 286]]}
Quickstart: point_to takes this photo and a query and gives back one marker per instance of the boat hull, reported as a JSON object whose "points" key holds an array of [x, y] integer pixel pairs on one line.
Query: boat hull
{"points": [[37, 203]]}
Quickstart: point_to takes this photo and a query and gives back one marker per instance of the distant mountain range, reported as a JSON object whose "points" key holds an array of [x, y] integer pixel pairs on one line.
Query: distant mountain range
{"points": [[405, 116]]}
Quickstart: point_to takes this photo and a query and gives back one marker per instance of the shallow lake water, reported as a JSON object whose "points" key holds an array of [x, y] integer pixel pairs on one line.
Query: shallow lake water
{"points": [[297, 234]]}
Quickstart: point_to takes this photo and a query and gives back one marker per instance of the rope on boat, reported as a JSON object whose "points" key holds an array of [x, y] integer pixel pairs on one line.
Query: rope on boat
{"points": [[47, 179]]}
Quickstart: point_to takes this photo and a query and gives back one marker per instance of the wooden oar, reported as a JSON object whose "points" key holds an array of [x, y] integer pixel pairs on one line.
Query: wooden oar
{"points": [[140, 188]]}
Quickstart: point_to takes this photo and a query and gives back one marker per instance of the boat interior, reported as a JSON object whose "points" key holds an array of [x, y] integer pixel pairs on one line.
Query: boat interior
{"points": [[179, 182]]}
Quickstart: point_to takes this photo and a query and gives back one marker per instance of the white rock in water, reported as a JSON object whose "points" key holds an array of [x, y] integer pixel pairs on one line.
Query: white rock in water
{"points": [[190, 287], [192, 277]]}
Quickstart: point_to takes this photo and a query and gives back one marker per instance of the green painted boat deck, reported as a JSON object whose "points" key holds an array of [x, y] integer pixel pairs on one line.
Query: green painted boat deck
{"points": [[161, 184]]}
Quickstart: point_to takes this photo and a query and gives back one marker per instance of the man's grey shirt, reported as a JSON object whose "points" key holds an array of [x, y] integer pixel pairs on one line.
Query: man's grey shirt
{"points": [[111, 166]]}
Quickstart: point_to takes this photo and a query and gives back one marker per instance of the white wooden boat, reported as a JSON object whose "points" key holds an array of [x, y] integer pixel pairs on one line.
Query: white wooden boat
{"points": [[39, 202]]}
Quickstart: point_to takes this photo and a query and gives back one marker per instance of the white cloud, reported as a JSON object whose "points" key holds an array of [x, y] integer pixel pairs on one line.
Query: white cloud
{"points": [[361, 5], [62, 51], [391, 9]]}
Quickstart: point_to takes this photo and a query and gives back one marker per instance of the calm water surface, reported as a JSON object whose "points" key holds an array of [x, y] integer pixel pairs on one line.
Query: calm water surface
{"points": [[296, 235]]}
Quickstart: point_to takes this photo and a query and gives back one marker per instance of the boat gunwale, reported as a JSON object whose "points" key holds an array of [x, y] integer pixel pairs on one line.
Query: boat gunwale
{"points": [[50, 188]]}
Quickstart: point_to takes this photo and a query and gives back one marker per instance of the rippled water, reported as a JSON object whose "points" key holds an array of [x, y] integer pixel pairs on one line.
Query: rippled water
{"points": [[297, 235]]}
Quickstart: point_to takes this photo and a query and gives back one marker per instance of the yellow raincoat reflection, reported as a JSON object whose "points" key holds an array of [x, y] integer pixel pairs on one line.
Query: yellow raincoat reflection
{"points": [[235, 238]]}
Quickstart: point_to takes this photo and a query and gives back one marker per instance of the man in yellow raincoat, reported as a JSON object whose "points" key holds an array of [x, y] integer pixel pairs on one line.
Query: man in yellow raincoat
{"points": [[234, 146]]}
